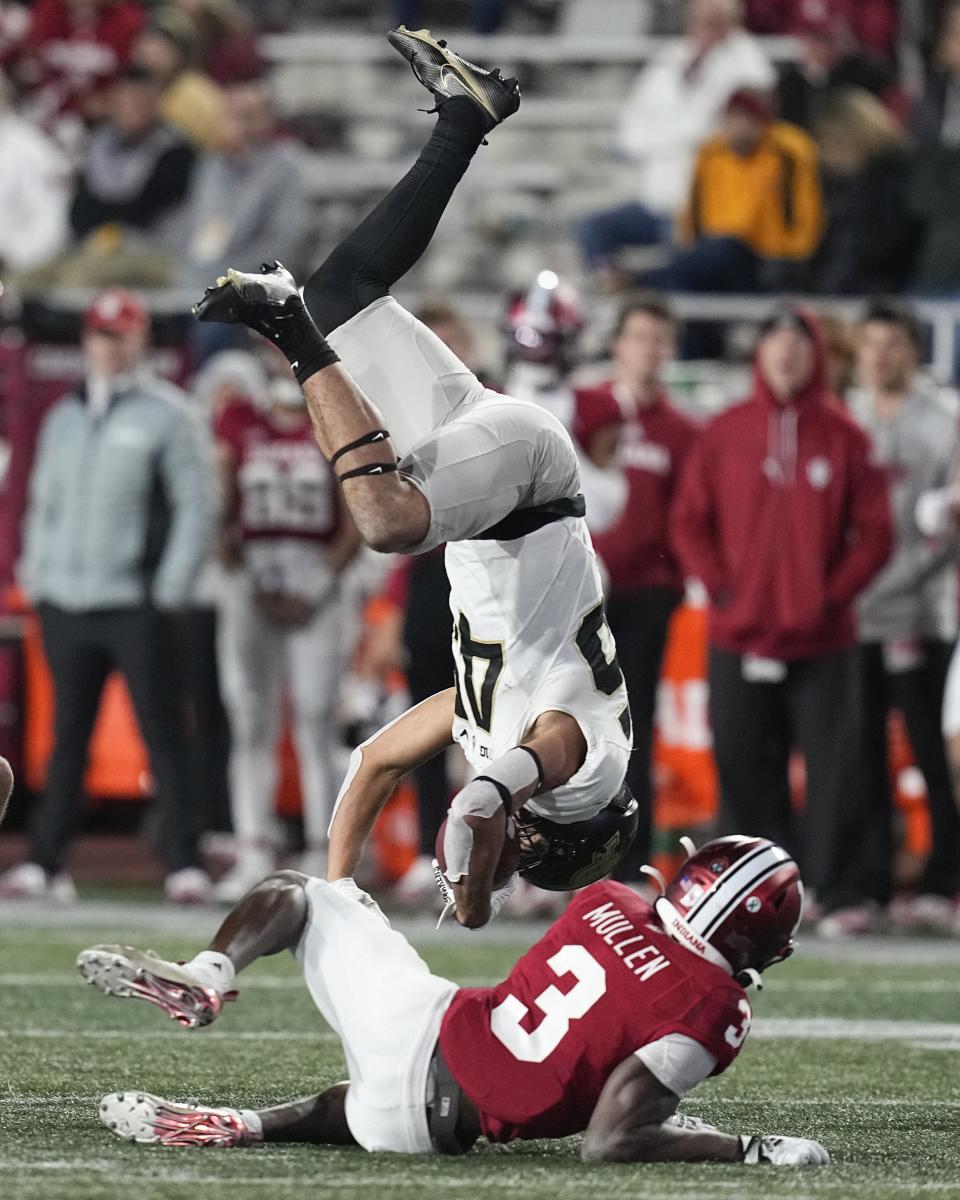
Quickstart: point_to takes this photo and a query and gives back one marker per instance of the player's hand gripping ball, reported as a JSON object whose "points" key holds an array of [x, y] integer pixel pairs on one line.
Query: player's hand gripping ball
{"points": [[509, 861]]}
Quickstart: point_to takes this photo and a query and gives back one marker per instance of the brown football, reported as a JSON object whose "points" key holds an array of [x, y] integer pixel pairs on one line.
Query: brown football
{"points": [[509, 860]]}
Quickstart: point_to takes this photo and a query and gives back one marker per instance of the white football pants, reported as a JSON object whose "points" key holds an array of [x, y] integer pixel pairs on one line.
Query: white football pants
{"points": [[257, 660], [476, 455], [378, 995]]}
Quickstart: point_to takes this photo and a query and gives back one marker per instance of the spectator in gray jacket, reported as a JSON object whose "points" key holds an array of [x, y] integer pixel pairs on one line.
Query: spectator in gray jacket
{"points": [[248, 205], [120, 520], [248, 202], [908, 616]]}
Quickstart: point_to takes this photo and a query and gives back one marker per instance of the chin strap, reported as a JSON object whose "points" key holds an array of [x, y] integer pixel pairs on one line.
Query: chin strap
{"points": [[655, 875], [749, 977]]}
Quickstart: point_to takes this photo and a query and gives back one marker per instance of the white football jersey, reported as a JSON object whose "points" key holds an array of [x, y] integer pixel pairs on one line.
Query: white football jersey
{"points": [[530, 636]]}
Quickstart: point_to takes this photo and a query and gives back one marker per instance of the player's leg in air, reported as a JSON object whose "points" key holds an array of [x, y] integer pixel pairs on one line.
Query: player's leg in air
{"points": [[379, 385], [371, 986]]}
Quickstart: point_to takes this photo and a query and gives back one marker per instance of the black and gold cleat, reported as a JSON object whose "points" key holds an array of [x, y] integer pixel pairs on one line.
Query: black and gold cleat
{"points": [[257, 300], [446, 74]]}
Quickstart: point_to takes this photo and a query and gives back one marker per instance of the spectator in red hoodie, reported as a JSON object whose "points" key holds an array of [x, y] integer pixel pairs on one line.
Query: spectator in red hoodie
{"points": [[646, 583], [785, 519]]}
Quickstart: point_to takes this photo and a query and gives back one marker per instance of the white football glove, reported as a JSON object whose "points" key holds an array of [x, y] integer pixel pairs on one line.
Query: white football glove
{"points": [[497, 899], [783, 1151], [348, 887]]}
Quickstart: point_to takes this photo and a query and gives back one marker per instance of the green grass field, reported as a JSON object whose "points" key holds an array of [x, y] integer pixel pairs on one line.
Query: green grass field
{"points": [[861, 1054]]}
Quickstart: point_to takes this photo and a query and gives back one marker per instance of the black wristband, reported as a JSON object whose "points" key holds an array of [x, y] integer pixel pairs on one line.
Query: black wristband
{"points": [[318, 357], [305, 347]]}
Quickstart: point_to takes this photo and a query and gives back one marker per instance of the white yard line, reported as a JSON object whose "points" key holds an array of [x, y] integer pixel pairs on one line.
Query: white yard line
{"points": [[419, 1178], [852, 1029], [130, 1035], [827, 1102], [277, 983], [940, 1034], [117, 917], [416, 1177], [252, 983]]}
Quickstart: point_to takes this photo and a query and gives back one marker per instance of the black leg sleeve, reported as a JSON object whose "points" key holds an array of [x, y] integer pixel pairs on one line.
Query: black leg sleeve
{"points": [[392, 238]]}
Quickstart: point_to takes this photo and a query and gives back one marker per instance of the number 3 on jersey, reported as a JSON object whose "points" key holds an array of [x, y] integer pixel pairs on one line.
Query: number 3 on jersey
{"points": [[559, 1008]]}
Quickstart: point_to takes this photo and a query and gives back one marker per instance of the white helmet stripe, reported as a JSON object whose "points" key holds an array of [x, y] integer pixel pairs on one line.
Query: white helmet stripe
{"points": [[718, 883], [735, 900], [734, 884]]}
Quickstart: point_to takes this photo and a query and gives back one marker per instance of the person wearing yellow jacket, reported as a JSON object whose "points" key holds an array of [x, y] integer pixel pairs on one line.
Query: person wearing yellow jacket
{"points": [[755, 212], [757, 181]]}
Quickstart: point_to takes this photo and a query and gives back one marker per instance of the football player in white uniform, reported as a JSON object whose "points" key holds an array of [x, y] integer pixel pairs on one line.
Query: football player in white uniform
{"points": [[427, 455]]}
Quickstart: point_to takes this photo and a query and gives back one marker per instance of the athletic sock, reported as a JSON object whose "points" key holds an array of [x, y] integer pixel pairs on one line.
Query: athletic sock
{"points": [[213, 970], [252, 1124]]}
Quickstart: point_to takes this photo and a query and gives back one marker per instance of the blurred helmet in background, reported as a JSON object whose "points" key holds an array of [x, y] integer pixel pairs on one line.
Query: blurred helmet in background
{"points": [[543, 324]]}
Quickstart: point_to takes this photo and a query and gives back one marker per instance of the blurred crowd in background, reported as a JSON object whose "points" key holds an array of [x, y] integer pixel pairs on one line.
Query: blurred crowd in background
{"points": [[169, 517], [142, 146]]}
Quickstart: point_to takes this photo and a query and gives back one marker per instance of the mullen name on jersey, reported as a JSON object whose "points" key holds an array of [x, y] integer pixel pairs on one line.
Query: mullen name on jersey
{"points": [[640, 956]]}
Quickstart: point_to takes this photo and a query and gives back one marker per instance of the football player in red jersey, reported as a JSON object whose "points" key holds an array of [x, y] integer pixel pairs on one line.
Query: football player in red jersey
{"points": [[287, 540], [600, 1028]]}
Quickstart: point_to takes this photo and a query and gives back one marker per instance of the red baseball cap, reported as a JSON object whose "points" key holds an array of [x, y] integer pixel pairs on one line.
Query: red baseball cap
{"points": [[754, 104], [117, 311]]}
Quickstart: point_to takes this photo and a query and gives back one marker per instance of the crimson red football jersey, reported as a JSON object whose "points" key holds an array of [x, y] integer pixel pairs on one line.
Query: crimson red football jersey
{"points": [[534, 1052], [286, 487]]}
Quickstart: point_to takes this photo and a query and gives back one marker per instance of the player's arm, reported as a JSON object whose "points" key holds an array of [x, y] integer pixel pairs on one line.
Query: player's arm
{"points": [[631, 1123], [376, 768], [552, 751], [344, 547], [636, 1120]]}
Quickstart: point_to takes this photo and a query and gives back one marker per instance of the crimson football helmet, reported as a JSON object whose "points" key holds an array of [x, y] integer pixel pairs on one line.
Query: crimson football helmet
{"points": [[737, 902], [543, 324]]}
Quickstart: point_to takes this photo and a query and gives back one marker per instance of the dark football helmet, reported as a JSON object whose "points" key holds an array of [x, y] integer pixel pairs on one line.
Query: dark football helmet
{"points": [[561, 858], [737, 901]]}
